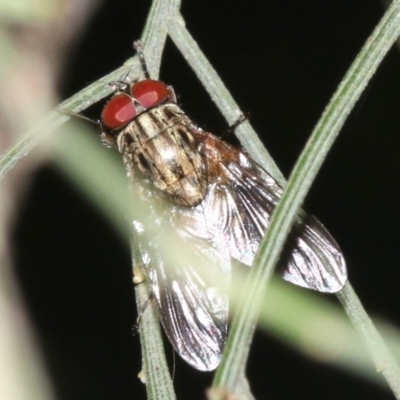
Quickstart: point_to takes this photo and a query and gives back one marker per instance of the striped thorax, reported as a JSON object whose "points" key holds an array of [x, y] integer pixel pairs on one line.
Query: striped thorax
{"points": [[160, 145]]}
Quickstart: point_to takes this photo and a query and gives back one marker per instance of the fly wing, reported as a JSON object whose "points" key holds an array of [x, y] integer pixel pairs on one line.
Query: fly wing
{"points": [[316, 259], [193, 312], [243, 201]]}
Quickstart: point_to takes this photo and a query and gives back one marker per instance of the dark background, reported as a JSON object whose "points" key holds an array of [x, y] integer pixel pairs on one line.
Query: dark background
{"points": [[282, 61]]}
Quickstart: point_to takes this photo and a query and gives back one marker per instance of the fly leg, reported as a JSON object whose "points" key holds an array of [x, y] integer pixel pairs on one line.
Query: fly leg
{"points": [[141, 311], [244, 117], [139, 278], [137, 45]]}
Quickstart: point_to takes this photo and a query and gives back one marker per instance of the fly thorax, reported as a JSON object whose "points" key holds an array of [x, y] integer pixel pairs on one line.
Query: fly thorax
{"points": [[160, 145]]}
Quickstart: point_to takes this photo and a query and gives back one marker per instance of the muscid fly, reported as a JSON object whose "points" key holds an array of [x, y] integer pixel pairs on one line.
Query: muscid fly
{"points": [[218, 202]]}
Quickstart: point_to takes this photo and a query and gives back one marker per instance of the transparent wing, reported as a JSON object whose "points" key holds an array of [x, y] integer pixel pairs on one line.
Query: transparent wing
{"points": [[193, 312], [242, 202], [229, 222]]}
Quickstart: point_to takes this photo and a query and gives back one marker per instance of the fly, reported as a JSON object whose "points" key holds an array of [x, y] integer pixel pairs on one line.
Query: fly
{"points": [[218, 201]]}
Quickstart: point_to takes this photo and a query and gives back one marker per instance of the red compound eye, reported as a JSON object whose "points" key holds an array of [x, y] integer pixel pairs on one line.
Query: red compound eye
{"points": [[149, 93], [119, 111]]}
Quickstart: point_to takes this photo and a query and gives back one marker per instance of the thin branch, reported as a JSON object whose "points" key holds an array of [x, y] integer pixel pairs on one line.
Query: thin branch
{"points": [[384, 362], [304, 172], [220, 94], [158, 381], [54, 119]]}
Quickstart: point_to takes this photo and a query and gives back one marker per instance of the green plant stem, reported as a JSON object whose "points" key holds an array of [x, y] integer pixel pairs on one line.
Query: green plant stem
{"points": [[155, 32], [303, 174], [220, 94], [384, 362], [159, 385], [312, 324], [55, 119], [158, 380]]}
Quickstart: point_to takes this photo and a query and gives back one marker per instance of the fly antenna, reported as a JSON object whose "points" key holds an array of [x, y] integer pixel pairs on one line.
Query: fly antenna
{"points": [[137, 45]]}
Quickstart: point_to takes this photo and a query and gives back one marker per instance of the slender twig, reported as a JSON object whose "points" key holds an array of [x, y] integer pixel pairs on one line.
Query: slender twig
{"points": [[384, 361], [158, 381], [220, 94], [54, 119], [299, 183]]}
